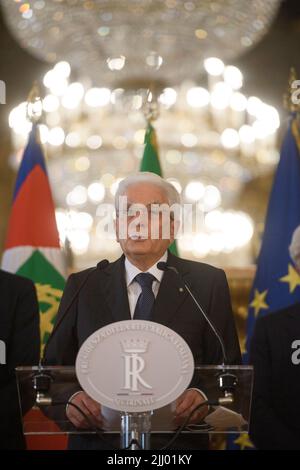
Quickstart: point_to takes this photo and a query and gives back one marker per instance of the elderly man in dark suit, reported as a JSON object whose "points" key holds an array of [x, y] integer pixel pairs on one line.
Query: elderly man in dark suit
{"points": [[133, 287], [19, 332], [275, 354]]}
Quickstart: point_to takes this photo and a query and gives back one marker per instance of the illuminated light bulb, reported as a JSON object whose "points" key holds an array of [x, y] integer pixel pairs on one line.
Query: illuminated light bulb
{"points": [[63, 69], [211, 198], [234, 77], [154, 60], [79, 240], [238, 102], [221, 95], [116, 63], [189, 140], [56, 136], [194, 190], [254, 105], [198, 97], [214, 66], [95, 97], [73, 139], [201, 245], [139, 136], [44, 131], [94, 142], [230, 138], [173, 156], [73, 95], [168, 97], [96, 192], [82, 164], [77, 196], [247, 134], [50, 103]]}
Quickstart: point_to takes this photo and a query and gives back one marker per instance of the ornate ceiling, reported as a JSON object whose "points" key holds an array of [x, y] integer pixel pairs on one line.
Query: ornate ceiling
{"points": [[120, 42]]}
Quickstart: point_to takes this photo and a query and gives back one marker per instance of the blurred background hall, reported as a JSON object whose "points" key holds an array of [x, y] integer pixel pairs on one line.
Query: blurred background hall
{"points": [[212, 74]]}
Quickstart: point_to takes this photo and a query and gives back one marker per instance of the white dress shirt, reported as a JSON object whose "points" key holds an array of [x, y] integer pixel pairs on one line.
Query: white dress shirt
{"points": [[133, 287]]}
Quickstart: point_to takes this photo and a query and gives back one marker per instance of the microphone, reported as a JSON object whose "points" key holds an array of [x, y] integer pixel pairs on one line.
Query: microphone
{"points": [[226, 381], [100, 266], [42, 379], [165, 267]]}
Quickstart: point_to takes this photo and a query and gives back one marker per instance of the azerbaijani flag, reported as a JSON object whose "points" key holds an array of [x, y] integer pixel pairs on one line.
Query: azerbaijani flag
{"points": [[150, 162], [32, 246]]}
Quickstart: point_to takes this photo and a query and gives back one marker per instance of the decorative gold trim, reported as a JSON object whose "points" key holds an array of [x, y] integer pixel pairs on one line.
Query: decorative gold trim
{"points": [[288, 103], [34, 97], [151, 105]]}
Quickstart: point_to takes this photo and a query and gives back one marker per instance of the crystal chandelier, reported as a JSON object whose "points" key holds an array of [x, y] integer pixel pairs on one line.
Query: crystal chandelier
{"points": [[212, 141], [134, 42]]}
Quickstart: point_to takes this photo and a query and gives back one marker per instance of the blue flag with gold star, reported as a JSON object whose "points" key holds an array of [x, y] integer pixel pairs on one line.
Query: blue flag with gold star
{"points": [[277, 283]]}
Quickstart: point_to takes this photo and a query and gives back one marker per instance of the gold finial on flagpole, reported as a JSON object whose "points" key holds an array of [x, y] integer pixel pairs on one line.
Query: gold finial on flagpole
{"points": [[291, 98], [34, 104], [291, 101], [151, 105]]}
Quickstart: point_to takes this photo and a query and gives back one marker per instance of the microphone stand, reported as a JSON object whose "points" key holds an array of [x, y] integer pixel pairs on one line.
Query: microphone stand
{"points": [[227, 381]]}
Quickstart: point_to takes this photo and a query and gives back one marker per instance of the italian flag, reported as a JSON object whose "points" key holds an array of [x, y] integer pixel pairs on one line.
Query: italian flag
{"points": [[32, 246], [150, 162]]}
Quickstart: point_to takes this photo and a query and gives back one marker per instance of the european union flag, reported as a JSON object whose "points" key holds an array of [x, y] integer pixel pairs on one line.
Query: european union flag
{"points": [[277, 283]]}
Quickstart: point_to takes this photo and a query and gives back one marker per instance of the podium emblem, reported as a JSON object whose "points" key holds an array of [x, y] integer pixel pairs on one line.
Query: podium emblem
{"points": [[134, 365]]}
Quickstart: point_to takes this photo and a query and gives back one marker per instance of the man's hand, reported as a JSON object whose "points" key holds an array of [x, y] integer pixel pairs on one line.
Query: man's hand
{"points": [[186, 403], [89, 406]]}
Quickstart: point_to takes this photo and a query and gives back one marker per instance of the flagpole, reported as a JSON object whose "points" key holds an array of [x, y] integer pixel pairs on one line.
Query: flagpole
{"points": [[150, 161]]}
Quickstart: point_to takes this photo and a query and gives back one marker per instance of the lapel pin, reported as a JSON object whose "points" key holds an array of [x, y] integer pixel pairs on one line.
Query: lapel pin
{"points": [[180, 289]]}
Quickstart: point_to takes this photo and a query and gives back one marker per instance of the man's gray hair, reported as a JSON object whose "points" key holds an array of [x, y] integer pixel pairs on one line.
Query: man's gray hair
{"points": [[294, 247], [147, 177]]}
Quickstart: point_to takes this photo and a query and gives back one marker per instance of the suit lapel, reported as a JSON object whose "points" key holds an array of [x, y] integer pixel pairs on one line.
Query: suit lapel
{"points": [[115, 290], [171, 294]]}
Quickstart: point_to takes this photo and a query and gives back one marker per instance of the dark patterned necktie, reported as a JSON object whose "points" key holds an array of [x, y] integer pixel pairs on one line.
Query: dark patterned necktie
{"points": [[145, 302]]}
